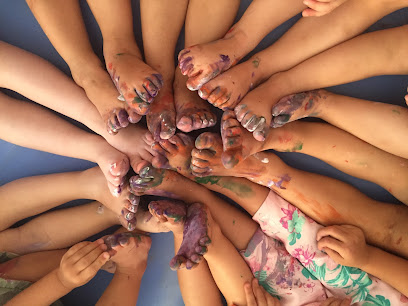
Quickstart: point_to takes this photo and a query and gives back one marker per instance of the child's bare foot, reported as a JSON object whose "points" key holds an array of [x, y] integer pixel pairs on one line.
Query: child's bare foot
{"points": [[226, 90], [204, 62], [170, 213], [297, 106], [174, 153], [192, 112], [196, 238], [114, 165], [124, 204], [102, 93], [132, 142], [153, 181], [206, 159], [120, 118], [161, 119], [136, 82], [237, 142]]}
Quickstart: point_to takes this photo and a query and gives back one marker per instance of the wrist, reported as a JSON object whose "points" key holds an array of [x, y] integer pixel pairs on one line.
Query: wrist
{"points": [[370, 255], [62, 285], [134, 273]]}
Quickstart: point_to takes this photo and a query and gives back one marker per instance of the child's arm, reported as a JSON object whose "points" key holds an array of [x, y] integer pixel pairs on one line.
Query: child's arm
{"points": [[346, 245], [78, 266], [131, 260]]}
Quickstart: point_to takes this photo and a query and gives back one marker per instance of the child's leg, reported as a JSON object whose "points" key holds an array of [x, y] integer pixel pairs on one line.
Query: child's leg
{"points": [[136, 81], [203, 62], [55, 90], [63, 24], [337, 203], [161, 25], [57, 229], [330, 144], [344, 23], [205, 22], [369, 54], [31, 267], [31, 126], [336, 109]]}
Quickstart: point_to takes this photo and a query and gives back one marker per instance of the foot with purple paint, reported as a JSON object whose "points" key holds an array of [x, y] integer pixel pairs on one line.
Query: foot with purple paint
{"points": [[132, 142], [174, 153], [206, 159], [297, 106], [170, 213], [161, 119], [203, 62], [192, 112], [237, 142], [254, 112], [136, 82], [196, 237], [226, 90], [123, 204]]}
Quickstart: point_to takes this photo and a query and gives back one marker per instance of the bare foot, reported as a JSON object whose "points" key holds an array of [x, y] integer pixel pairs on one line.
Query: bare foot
{"points": [[206, 159], [237, 142], [120, 118], [161, 119], [124, 204], [153, 181], [132, 142], [297, 106], [226, 90], [170, 213], [114, 165], [136, 82], [196, 238], [204, 62], [255, 110], [102, 93], [192, 112], [174, 153]]}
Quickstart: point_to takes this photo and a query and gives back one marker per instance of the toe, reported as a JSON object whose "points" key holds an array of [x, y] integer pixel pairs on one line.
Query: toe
{"points": [[280, 120], [133, 116], [143, 94], [123, 117], [177, 262], [202, 154], [157, 80], [200, 163], [161, 162], [150, 88], [168, 146], [119, 168], [260, 132], [186, 65], [185, 124], [168, 128], [205, 91], [208, 141], [230, 158]]}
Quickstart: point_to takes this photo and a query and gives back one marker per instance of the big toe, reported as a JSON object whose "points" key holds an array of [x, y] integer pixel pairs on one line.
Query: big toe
{"points": [[209, 141]]}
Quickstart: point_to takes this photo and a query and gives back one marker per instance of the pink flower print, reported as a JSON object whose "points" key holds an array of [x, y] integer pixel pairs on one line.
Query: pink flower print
{"points": [[288, 215], [304, 256]]}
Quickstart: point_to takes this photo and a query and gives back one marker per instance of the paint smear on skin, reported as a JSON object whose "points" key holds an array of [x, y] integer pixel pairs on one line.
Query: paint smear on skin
{"points": [[285, 138], [237, 188], [110, 66], [284, 178], [396, 111], [297, 147], [256, 62]]}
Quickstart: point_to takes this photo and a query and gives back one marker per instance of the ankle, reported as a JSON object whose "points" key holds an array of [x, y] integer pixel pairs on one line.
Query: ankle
{"points": [[115, 45]]}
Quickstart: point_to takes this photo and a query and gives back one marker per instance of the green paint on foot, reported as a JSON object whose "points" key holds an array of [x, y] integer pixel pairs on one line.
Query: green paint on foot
{"points": [[396, 111], [239, 189], [137, 100], [208, 180], [297, 147], [119, 54]]}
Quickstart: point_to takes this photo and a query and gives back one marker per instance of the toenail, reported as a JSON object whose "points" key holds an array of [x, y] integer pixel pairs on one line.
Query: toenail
{"points": [[121, 98]]}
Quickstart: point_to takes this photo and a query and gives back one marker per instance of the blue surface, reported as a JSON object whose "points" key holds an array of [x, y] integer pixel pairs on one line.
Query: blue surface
{"points": [[159, 286]]}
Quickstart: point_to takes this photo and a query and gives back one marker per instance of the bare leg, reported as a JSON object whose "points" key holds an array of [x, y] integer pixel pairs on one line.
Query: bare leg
{"points": [[31, 126], [63, 24], [339, 203], [330, 144], [136, 81], [295, 46], [56, 91], [369, 54], [202, 63], [159, 46], [205, 22], [336, 109]]}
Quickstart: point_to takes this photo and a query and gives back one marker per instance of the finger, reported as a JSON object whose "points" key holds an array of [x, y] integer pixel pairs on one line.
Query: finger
{"points": [[250, 297], [260, 297], [311, 13], [89, 258], [318, 6], [335, 231], [94, 267], [76, 248], [331, 243], [270, 300], [84, 251]]}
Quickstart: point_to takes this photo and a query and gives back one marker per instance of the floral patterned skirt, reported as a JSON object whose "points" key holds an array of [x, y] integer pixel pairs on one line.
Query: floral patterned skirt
{"points": [[284, 257]]}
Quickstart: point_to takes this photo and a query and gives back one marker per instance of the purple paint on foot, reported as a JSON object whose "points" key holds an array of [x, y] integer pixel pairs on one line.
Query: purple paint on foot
{"points": [[283, 178]]}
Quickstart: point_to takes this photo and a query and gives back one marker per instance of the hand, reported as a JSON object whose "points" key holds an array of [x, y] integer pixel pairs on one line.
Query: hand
{"points": [[320, 7], [131, 251], [81, 263], [336, 302], [345, 244], [256, 295]]}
